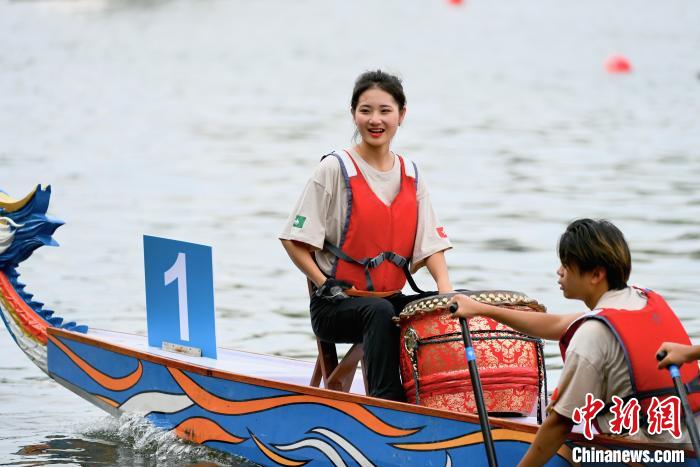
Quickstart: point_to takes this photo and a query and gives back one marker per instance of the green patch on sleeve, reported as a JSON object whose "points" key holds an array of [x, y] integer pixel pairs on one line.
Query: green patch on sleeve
{"points": [[299, 222]]}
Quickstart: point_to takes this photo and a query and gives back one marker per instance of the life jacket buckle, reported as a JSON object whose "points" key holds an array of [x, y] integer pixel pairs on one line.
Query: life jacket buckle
{"points": [[376, 261]]}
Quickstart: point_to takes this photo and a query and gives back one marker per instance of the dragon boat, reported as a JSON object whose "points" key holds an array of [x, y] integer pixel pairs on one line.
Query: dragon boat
{"points": [[259, 407]]}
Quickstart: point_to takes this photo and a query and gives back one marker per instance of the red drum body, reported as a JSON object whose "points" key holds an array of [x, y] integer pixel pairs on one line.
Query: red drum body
{"points": [[433, 363]]}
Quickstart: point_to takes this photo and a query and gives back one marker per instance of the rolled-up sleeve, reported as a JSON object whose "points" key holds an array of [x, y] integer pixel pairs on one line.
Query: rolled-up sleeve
{"points": [[584, 369], [578, 378], [431, 236], [307, 221]]}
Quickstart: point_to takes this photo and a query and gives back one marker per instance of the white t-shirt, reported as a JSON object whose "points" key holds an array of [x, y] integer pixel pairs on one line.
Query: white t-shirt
{"points": [[321, 210]]}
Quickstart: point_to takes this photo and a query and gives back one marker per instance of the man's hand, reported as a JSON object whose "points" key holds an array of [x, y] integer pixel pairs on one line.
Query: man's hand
{"points": [[678, 354], [467, 307]]}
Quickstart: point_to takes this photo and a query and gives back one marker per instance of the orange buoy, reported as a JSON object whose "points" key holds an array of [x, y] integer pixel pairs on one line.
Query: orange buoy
{"points": [[617, 64]]}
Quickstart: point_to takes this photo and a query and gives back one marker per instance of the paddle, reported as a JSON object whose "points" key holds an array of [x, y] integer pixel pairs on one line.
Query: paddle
{"points": [[683, 396], [478, 392]]}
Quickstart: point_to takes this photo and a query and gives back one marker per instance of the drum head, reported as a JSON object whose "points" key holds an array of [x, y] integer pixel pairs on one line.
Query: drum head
{"points": [[438, 303]]}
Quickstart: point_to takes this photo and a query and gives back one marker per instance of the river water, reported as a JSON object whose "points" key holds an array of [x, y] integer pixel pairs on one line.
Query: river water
{"points": [[201, 121]]}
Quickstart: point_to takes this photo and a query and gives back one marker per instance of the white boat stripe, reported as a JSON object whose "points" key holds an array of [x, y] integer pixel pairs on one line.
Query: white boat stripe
{"points": [[322, 446], [345, 444], [35, 350]]}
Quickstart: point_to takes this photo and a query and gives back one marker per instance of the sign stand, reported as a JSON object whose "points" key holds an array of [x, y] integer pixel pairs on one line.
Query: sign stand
{"points": [[183, 349]]}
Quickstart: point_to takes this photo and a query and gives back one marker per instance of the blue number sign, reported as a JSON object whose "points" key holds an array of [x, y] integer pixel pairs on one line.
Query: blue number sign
{"points": [[179, 294]]}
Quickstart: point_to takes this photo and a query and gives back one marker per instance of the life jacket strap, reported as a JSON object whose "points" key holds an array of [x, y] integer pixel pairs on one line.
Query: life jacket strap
{"points": [[690, 388], [370, 263]]}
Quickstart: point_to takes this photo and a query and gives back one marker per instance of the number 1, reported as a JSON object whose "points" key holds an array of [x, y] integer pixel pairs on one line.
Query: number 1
{"points": [[178, 272]]}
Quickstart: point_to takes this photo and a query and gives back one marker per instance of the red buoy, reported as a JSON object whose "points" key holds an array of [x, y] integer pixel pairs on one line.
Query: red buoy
{"points": [[455, 2], [617, 64]]}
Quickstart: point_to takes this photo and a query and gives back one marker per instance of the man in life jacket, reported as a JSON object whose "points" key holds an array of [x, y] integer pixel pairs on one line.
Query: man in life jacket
{"points": [[607, 351]]}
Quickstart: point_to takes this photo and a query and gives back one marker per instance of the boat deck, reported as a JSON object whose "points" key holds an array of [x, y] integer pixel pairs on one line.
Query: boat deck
{"points": [[270, 367]]}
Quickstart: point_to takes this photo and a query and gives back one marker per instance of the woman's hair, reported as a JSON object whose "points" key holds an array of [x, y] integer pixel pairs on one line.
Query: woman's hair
{"points": [[589, 244], [378, 79]]}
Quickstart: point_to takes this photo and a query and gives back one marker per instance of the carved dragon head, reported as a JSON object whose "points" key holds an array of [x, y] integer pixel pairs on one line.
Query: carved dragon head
{"points": [[24, 226]]}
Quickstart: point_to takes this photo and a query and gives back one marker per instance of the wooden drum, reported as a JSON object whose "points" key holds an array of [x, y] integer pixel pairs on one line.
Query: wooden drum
{"points": [[433, 363]]}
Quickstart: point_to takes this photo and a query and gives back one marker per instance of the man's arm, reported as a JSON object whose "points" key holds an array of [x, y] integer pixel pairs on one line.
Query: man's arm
{"points": [[548, 440], [542, 325]]}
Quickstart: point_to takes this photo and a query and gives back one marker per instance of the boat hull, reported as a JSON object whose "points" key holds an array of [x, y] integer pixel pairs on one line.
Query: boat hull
{"points": [[271, 422]]}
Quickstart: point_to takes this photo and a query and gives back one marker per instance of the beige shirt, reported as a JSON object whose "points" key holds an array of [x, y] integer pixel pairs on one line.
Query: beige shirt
{"points": [[320, 211], [595, 363]]}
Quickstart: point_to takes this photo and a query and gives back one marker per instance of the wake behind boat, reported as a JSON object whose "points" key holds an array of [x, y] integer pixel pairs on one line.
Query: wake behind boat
{"points": [[260, 407]]}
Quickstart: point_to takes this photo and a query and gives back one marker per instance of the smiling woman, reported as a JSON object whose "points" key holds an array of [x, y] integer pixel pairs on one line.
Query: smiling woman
{"points": [[363, 221], [378, 110]]}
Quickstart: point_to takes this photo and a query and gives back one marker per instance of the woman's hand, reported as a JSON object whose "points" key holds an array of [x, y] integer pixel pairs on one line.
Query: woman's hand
{"points": [[467, 307], [333, 290], [678, 354]]}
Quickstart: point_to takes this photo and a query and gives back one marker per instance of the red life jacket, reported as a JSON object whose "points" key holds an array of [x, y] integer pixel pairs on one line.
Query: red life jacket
{"points": [[377, 240], [640, 334]]}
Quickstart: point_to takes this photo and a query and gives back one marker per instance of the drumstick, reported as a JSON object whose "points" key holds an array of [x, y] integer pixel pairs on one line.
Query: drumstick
{"points": [[476, 386], [683, 396]]}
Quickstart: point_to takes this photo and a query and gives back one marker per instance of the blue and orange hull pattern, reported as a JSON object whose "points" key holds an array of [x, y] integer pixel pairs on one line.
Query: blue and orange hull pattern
{"points": [[270, 422]]}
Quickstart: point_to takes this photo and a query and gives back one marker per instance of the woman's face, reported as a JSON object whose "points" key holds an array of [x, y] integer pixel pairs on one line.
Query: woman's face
{"points": [[377, 117]]}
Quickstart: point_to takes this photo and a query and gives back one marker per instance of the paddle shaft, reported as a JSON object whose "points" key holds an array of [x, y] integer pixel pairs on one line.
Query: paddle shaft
{"points": [[683, 396], [478, 392]]}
